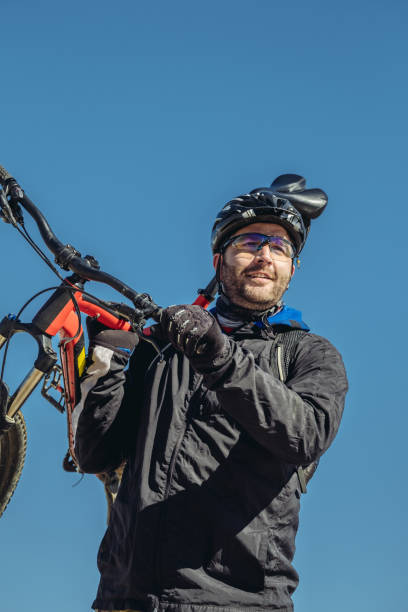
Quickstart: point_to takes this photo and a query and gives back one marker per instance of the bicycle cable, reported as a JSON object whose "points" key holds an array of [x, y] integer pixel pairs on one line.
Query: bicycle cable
{"points": [[33, 297], [100, 302], [46, 260], [3, 365], [25, 234]]}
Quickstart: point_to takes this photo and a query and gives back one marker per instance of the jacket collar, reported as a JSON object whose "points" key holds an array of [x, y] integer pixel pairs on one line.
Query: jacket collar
{"points": [[285, 317]]}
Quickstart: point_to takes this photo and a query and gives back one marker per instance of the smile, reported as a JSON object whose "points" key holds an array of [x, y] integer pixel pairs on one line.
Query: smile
{"points": [[259, 280], [259, 275]]}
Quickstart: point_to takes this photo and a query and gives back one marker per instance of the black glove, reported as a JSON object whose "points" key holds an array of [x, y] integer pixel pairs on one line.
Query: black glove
{"points": [[196, 333], [119, 341]]}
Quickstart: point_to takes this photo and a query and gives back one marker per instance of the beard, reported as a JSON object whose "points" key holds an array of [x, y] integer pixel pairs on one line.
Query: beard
{"points": [[240, 291]]}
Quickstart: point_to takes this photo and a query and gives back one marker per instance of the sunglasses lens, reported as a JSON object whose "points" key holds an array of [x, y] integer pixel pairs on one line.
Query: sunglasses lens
{"points": [[280, 248], [248, 242]]}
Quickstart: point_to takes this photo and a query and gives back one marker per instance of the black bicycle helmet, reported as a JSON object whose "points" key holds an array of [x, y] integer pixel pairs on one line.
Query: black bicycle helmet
{"points": [[286, 202]]}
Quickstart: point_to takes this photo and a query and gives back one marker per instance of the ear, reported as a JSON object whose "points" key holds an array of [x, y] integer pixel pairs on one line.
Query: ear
{"points": [[215, 260], [293, 271]]}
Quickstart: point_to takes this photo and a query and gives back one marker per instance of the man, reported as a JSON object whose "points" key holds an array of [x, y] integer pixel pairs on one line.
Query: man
{"points": [[220, 433]]}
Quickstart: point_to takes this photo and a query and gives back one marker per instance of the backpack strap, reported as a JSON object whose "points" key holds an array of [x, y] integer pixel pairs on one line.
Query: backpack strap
{"points": [[286, 343]]}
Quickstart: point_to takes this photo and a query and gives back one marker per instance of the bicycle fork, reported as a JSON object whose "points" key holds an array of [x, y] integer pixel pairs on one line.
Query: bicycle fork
{"points": [[44, 364]]}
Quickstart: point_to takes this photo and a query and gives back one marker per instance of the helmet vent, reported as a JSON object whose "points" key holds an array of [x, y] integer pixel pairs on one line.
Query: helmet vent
{"points": [[249, 213]]}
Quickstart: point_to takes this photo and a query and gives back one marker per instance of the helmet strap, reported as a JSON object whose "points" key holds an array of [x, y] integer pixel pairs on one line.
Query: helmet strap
{"points": [[218, 274]]}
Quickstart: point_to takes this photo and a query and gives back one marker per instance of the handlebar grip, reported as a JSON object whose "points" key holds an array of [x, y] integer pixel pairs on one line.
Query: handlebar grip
{"points": [[4, 175]]}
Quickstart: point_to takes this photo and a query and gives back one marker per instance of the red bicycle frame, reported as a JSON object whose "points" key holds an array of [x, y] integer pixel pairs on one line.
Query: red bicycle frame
{"points": [[59, 316]]}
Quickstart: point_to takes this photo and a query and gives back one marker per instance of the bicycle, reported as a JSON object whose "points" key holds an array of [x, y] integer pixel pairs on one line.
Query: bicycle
{"points": [[60, 316]]}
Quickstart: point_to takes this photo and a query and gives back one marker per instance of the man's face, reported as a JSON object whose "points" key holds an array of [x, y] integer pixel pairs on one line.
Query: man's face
{"points": [[255, 281]]}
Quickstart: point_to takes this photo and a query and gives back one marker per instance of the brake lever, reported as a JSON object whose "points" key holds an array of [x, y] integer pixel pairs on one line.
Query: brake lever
{"points": [[135, 316], [144, 302]]}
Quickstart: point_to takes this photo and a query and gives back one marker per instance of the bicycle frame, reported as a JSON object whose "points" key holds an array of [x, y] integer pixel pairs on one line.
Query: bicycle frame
{"points": [[60, 315]]}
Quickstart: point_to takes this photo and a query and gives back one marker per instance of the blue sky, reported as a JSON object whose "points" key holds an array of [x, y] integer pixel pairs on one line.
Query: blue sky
{"points": [[130, 125]]}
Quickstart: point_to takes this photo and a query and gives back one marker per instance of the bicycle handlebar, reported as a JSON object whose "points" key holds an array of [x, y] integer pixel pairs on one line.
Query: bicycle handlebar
{"points": [[68, 258]]}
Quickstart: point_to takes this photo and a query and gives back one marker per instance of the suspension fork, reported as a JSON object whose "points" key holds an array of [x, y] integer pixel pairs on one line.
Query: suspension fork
{"points": [[46, 324], [44, 363]]}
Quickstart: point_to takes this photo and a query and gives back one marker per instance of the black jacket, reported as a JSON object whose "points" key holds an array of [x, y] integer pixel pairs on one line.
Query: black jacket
{"points": [[207, 512]]}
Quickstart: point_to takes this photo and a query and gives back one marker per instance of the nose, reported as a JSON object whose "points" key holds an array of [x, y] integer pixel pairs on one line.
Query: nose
{"points": [[264, 253]]}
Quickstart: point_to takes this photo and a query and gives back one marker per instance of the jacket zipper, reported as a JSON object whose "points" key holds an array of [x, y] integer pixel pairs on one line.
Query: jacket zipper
{"points": [[280, 363]]}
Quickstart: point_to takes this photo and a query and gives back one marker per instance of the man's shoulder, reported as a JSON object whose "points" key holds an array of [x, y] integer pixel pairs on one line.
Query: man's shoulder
{"points": [[313, 340], [289, 323], [318, 353]]}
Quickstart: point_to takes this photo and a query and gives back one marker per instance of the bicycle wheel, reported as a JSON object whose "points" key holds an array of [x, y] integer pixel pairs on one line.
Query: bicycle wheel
{"points": [[13, 444]]}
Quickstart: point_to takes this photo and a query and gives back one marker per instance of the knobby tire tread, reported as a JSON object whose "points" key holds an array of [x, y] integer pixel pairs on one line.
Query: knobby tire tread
{"points": [[13, 446]]}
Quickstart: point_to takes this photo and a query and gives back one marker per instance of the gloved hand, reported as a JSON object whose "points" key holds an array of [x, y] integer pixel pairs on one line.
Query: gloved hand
{"points": [[196, 333], [119, 341]]}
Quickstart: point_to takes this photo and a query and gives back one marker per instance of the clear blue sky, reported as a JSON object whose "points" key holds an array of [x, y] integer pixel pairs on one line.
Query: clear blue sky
{"points": [[131, 124]]}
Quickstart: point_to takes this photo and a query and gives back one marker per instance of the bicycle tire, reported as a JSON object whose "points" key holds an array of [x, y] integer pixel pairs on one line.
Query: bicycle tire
{"points": [[13, 445]]}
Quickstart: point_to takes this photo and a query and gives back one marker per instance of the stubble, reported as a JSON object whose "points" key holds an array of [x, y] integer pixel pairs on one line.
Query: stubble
{"points": [[241, 292]]}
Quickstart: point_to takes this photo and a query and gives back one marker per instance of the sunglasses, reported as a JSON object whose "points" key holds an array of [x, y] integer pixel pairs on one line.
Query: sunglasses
{"points": [[279, 247]]}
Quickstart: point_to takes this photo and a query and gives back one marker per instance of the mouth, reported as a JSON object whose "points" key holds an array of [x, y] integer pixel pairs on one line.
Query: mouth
{"points": [[258, 274], [260, 277]]}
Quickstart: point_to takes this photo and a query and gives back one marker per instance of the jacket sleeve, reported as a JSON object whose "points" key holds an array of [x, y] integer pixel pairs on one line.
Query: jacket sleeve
{"points": [[296, 420], [105, 419]]}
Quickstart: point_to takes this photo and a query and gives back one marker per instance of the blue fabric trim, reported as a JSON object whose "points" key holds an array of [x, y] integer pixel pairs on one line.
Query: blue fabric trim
{"points": [[123, 348], [287, 316]]}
